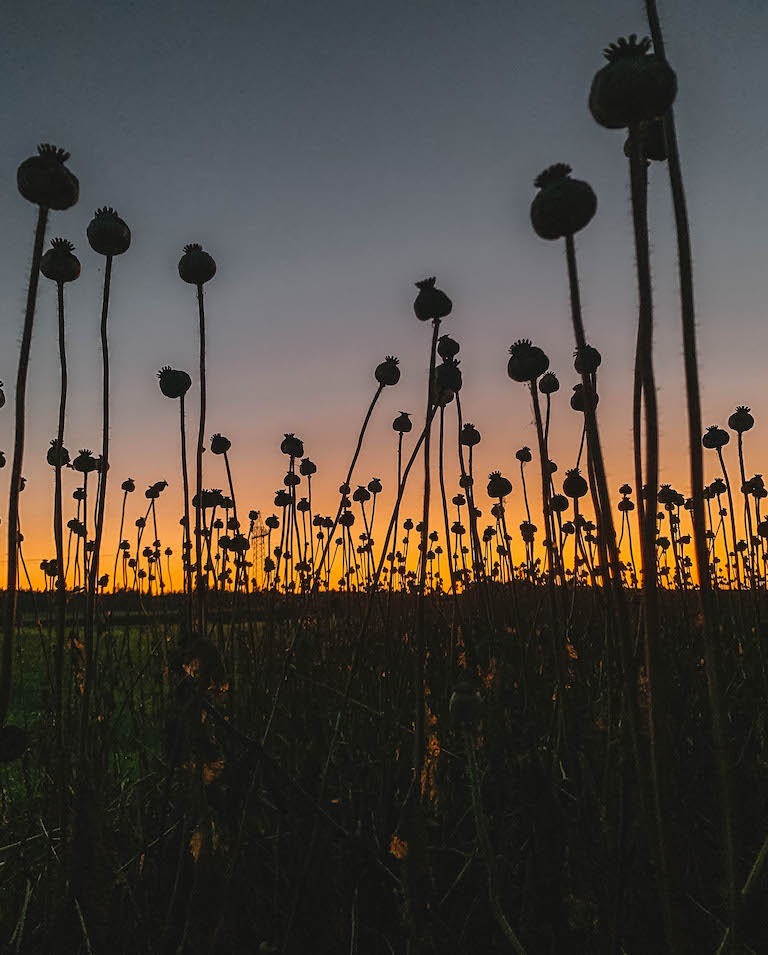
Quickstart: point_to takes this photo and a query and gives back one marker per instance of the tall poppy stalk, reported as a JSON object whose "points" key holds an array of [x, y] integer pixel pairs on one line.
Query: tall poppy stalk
{"points": [[45, 181], [60, 265], [197, 267]]}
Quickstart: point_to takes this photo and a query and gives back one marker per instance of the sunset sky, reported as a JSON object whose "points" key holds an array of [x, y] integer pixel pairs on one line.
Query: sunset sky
{"points": [[329, 156]]}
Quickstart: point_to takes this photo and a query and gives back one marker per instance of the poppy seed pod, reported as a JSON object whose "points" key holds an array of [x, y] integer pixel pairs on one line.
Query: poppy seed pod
{"points": [[196, 266], [174, 383], [128, 486], [272, 522], [374, 486], [59, 264], [282, 498], [220, 444], [347, 519], [307, 468], [741, 420], [581, 397], [2, 395], [447, 347], [408, 524], [653, 145], [431, 303], [715, 438], [292, 446], [524, 455], [549, 384], [625, 489], [85, 462], [574, 485], [2, 459], [558, 503], [498, 486], [586, 360], [387, 373], [527, 362], [402, 423], [58, 456], [635, 86], [562, 206], [107, 233], [448, 377], [625, 505], [45, 180], [361, 495], [469, 436]]}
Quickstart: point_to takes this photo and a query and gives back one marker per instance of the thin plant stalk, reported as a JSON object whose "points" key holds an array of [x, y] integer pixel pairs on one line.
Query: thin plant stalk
{"points": [[9, 628]]}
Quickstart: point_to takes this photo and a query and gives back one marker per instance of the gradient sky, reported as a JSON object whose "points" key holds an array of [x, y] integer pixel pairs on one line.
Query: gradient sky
{"points": [[330, 155]]}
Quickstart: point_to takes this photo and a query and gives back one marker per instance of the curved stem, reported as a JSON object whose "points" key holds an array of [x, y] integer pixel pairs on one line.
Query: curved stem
{"points": [[199, 584], [58, 520]]}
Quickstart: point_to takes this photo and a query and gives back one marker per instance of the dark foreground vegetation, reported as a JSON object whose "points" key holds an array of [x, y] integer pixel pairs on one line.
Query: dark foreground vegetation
{"points": [[254, 792]]}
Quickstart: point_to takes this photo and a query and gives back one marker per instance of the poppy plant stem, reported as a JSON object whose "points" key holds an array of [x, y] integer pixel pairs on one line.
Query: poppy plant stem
{"points": [[58, 520], [201, 587], [187, 547], [9, 628]]}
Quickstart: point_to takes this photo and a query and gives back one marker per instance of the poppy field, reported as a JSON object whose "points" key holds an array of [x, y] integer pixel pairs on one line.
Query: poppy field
{"points": [[458, 711]]}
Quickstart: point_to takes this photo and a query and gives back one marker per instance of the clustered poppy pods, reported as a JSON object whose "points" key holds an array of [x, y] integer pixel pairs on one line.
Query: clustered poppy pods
{"points": [[635, 85], [562, 206], [45, 180], [431, 304]]}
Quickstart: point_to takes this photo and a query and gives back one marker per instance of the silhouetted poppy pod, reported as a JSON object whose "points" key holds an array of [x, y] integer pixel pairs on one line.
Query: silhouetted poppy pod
{"points": [[46, 181], [431, 303], [78, 494], [347, 519], [282, 499], [59, 264], [498, 486], [302, 505], [626, 505], [272, 522], [2, 395], [575, 485], [291, 479], [527, 362], [548, 383], [387, 373], [402, 423], [568, 527], [374, 486], [524, 455], [128, 486], [466, 482], [238, 544], [361, 495], [196, 266], [580, 397], [220, 444], [2, 459], [665, 495], [715, 438], [57, 456], [625, 489], [558, 503], [718, 486], [586, 360], [528, 531], [107, 233], [635, 85], [653, 145], [562, 206], [292, 446], [85, 462], [447, 347], [459, 500], [173, 382], [408, 524], [13, 743], [469, 436], [307, 468], [448, 377], [465, 705], [741, 420]]}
